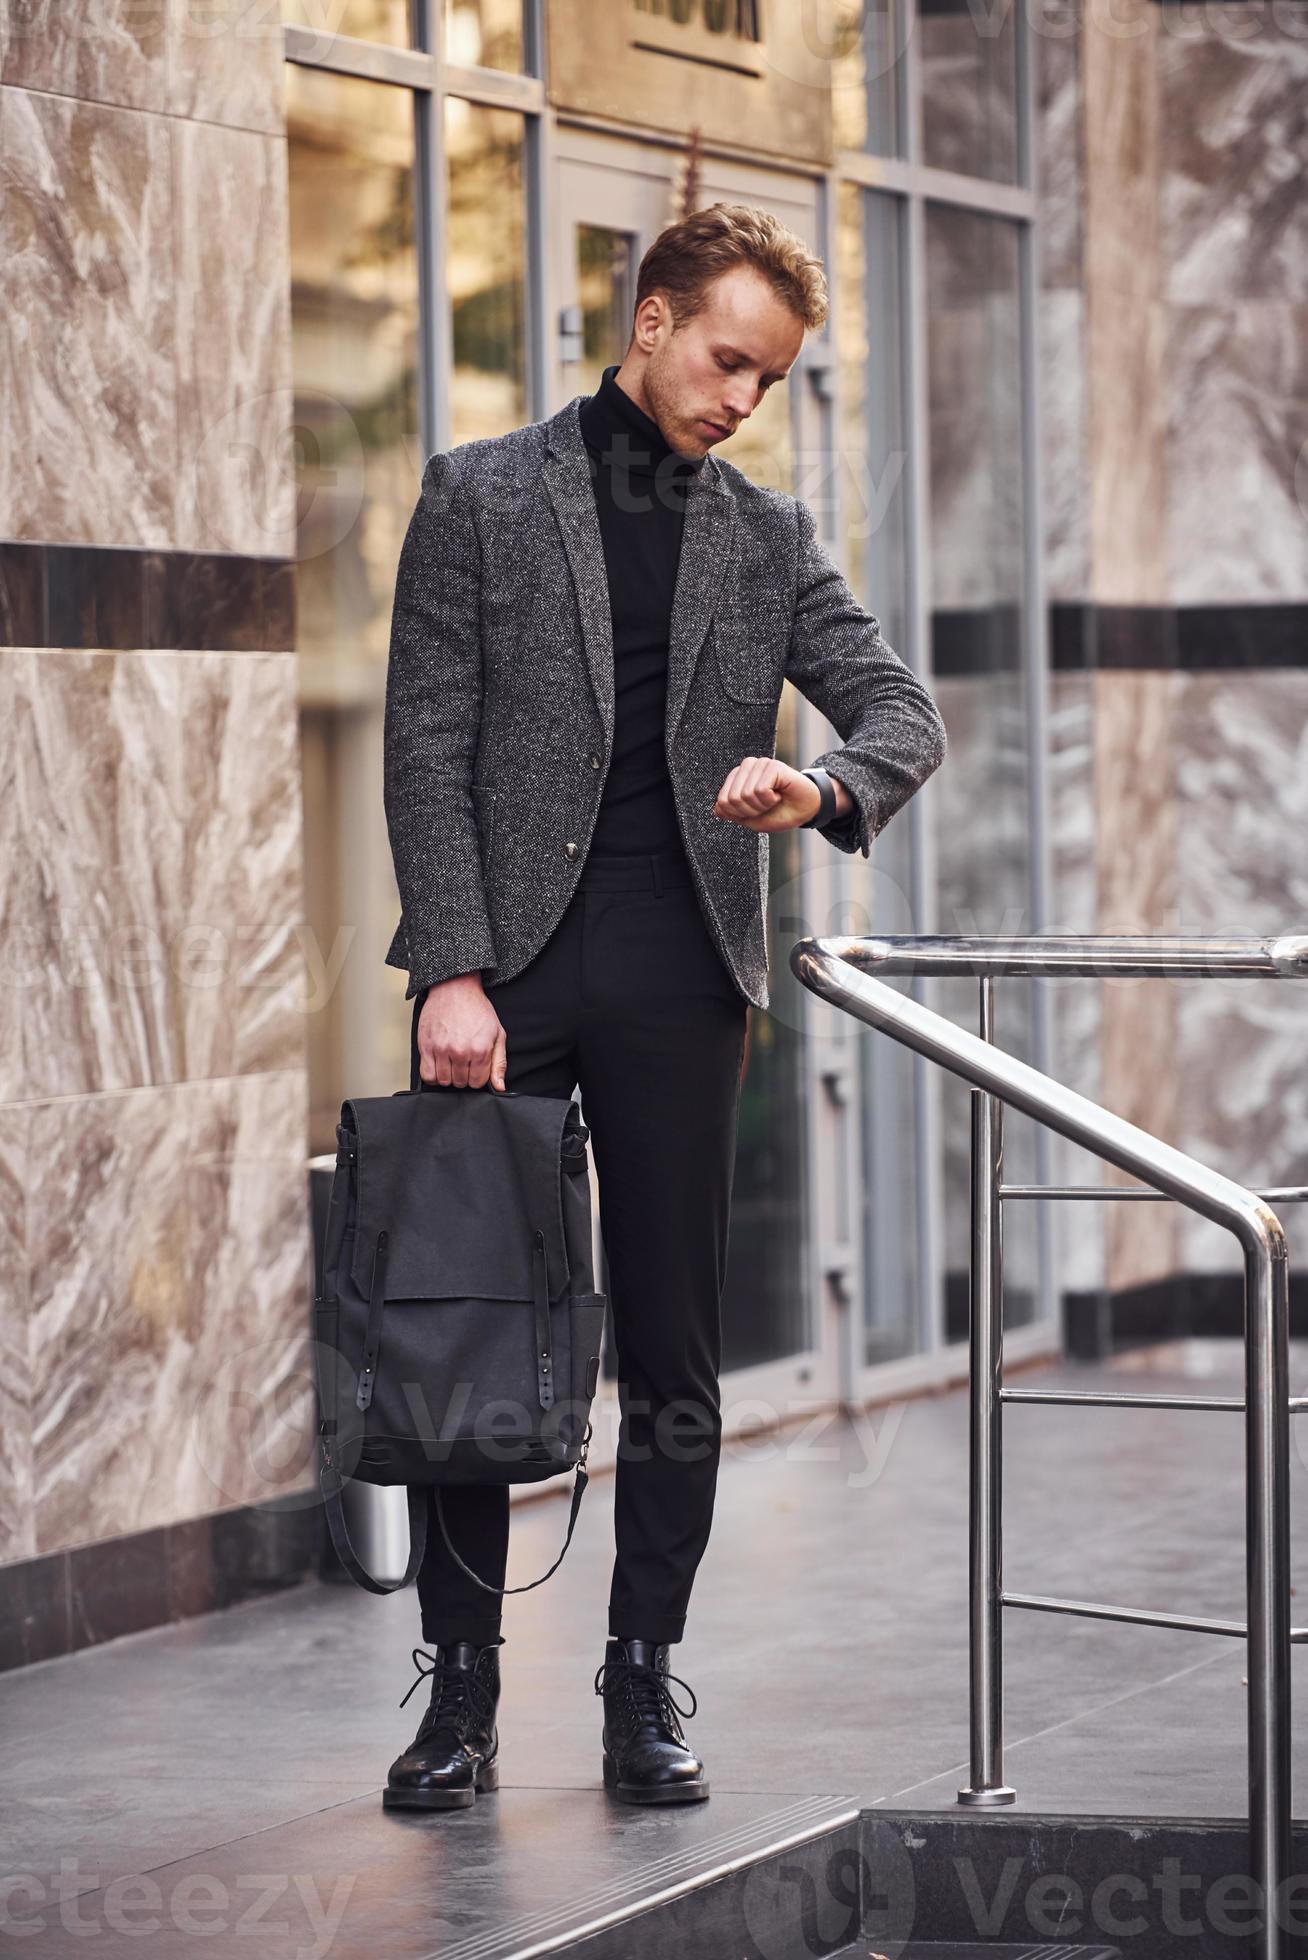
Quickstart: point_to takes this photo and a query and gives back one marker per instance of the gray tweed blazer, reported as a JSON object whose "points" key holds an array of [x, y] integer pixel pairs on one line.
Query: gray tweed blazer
{"points": [[499, 698]]}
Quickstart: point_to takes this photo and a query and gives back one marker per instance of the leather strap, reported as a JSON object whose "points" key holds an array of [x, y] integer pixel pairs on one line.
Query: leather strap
{"points": [[578, 1491], [541, 1289], [826, 789], [330, 1481]]}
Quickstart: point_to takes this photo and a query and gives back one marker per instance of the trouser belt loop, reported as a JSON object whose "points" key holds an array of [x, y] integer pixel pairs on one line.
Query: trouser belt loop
{"points": [[658, 880]]}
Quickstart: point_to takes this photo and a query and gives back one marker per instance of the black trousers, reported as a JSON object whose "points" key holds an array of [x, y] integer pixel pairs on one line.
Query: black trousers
{"points": [[630, 999]]}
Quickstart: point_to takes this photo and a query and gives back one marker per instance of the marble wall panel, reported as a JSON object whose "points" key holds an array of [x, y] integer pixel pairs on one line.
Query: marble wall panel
{"points": [[227, 64], [1074, 1004], [112, 51], [1126, 345], [110, 1323], [1136, 815], [235, 485], [161, 883], [17, 892], [101, 806], [242, 994], [17, 1516], [90, 394], [1233, 88], [1061, 320], [1060, 134], [1236, 389], [1242, 787], [247, 1403], [1064, 502], [1125, 325], [219, 61], [168, 1273]]}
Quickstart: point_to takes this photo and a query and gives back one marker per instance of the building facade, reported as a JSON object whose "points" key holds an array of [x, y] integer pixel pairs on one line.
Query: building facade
{"points": [[257, 269]]}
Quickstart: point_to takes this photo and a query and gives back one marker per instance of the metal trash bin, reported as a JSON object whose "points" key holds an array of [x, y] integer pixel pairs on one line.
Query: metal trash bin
{"points": [[377, 1514]]}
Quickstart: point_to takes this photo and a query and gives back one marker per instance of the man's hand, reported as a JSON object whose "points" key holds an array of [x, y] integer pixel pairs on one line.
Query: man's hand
{"points": [[461, 1041], [763, 793]]}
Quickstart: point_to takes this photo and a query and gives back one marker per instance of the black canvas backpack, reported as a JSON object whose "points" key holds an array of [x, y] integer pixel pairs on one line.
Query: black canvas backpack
{"points": [[457, 1327]]}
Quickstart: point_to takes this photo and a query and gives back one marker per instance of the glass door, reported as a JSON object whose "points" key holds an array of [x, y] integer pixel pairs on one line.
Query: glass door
{"points": [[614, 198]]}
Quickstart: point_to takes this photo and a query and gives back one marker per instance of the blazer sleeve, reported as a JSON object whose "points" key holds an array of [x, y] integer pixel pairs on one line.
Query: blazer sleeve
{"points": [[431, 726], [892, 731]]}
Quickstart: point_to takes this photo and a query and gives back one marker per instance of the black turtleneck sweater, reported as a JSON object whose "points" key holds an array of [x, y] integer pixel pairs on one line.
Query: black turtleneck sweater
{"points": [[639, 484]]}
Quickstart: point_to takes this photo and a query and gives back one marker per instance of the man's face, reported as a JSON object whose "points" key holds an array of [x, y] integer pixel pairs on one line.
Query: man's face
{"points": [[700, 384]]}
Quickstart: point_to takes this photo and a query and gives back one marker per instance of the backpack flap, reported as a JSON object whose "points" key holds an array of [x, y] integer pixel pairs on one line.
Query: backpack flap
{"points": [[460, 1200], [461, 1182]]}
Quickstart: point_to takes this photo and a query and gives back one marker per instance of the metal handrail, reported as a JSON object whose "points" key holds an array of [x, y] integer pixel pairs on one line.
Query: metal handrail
{"points": [[841, 970], [1127, 956]]}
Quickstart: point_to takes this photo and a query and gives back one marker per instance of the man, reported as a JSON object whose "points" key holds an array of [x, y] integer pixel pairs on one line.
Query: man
{"points": [[593, 619]]}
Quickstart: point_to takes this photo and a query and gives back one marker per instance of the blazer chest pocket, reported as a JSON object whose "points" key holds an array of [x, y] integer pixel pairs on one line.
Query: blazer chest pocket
{"points": [[751, 658], [483, 809]]}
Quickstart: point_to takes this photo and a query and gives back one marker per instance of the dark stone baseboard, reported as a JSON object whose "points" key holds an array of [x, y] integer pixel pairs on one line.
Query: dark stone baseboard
{"points": [[1184, 1306], [69, 1600]]}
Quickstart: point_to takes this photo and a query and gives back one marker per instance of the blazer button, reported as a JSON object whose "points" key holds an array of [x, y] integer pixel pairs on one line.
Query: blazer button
{"points": [[594, 762], [571, 850]]}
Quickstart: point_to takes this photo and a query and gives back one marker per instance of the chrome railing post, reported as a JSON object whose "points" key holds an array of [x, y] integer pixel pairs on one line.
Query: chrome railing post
{"points": [[1267, 1528], [986, 1484], [841, 970]]}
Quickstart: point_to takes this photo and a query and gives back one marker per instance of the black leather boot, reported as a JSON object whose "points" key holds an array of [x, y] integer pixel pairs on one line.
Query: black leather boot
{"points": [[456, 1750], [646, 1757]]}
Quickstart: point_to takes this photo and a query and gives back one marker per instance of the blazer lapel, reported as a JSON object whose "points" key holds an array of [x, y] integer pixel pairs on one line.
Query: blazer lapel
{"points": [[567, 479], [707, 543], [707, 540]]}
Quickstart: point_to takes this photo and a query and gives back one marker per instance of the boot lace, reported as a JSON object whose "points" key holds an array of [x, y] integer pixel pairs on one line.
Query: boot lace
{"points": [[460, 1700], [646, 1694]]}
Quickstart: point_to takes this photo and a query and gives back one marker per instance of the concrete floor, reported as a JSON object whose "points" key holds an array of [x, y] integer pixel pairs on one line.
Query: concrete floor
{"points": [[230, 1767]]}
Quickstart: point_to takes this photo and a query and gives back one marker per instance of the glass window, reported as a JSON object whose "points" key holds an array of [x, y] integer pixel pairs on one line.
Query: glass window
{"points": [[486, 269], [387, 21], [606, 294], [766, 1304], [871, 461], [484, 33], [354, 335], [767, 1308], [969, 88], [864, 72], [354, 324], [973, 366]]}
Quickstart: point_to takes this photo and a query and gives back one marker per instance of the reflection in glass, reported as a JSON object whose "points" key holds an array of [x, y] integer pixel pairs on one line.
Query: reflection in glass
{"points": [[354, 325], [484, 33], [864, 69], [387, 21], [486, 269], [874, 499], [976, 612], [354, 339], [969, 88], [765, 1307], [606, 294]]}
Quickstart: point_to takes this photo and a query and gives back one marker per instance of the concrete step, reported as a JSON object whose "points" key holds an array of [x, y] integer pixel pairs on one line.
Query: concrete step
{"points": [[951, 1950]]}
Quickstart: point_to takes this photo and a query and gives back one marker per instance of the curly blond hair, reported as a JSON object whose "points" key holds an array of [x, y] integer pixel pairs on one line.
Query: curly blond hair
{"points": [[688, 256]]}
